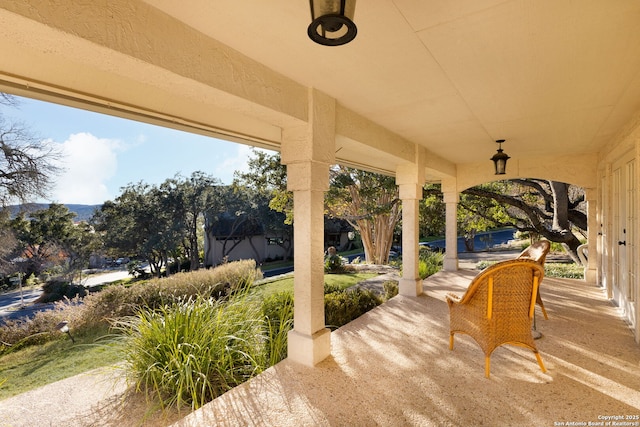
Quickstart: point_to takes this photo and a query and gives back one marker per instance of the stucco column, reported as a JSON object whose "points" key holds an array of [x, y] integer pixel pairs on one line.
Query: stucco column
{"points": [[451, 235], [308, 152], [410, 179], [591, 271], [410, 283]]}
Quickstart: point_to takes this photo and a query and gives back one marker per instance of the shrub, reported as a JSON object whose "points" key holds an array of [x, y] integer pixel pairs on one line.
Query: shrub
{"points": [[564, 270], [332, 288], [390, 288], [192, 351], [56, 290], [118, 301], [429, 262], [344, 306], [278, 315]]}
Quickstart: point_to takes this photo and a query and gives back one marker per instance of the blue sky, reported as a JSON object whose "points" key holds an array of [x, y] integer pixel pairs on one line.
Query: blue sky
{"points": [[103, 153]]}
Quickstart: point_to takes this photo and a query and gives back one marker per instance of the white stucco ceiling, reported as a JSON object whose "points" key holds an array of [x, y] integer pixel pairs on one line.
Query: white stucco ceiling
{"points": [[549, 76], [552, 77]]}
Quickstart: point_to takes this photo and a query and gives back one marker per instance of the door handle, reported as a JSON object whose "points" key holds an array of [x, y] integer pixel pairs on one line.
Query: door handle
{"points": [[622, 243]]}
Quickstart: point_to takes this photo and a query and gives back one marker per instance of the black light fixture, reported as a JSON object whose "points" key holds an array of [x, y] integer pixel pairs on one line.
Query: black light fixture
{"points": [[500, 159], [332, 22]]}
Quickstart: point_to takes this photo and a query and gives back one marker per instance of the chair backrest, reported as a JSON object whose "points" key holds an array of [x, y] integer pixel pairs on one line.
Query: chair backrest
{"points": [[537, 251], [507, 289]]}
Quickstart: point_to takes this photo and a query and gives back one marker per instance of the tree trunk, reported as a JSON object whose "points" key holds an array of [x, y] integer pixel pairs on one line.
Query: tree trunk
{"points": [[561, 225]]}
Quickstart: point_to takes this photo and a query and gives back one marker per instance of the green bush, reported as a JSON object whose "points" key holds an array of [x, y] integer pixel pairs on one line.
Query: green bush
{"points": [[278, 314], [390, 288], [344, 306], [192, 351], [429, 263], [332, 288], [564, 270], [117, 301]]}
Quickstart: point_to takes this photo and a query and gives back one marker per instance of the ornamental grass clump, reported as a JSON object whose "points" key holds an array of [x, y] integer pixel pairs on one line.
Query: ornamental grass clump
{"points": [[278, 316], [189, 352]]}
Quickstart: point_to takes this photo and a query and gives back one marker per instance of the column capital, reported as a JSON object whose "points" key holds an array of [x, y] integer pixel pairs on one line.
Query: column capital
{"points": [[451, 197], [410, 191]]}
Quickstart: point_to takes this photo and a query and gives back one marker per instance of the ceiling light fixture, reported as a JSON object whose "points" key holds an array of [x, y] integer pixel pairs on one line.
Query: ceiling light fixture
{"points": [[332, 22], [500, 159]]}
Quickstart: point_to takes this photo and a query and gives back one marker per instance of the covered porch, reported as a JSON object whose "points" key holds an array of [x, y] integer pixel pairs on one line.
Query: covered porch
{"points": [[393, 366], [420, 95]]}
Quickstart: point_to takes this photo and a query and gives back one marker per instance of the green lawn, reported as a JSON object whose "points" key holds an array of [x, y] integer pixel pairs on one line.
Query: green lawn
{"points": [[38, 365]]}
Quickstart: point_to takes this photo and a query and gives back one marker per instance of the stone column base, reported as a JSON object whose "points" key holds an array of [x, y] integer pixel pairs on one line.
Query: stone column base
{"points": [[450, 264], [309, 350], [410, 287]]}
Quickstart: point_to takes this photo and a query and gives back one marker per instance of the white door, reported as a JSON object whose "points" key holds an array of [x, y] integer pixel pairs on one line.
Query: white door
{"points": [[624, 250]]}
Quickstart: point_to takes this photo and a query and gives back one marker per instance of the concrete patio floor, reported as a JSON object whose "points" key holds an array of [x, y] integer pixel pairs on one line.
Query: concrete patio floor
{"points": [[393, 367]]}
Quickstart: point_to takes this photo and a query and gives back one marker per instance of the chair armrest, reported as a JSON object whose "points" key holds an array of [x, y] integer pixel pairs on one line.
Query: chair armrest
{"points": [[453, 297]]}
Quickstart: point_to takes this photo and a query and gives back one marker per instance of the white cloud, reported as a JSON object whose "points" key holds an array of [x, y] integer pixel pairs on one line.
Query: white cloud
{"points": [[224, 170], [88, 163]]}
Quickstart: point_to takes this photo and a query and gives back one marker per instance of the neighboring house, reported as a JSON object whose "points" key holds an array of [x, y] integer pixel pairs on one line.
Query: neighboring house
{"points": [[231, 237], [235, 237]]}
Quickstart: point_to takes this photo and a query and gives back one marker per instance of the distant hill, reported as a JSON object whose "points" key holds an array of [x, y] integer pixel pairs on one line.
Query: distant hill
{"points": [[83, 212]]}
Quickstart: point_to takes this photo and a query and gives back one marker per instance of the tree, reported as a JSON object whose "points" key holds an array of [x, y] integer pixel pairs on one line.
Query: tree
{"points": [[138, 223], [242, 214], [267, 183], [9, 245], [547, 208], [27, 163], [49, 237], [268, 176], [188, 199], [370, 203], [367, 201]]}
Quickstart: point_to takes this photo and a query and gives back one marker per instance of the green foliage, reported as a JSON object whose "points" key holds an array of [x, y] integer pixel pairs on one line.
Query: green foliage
{"points": [[432, 211], [119, 301], [278, 314], [564, 270], [27, 367], [429, 262], [193, 350], [333, 264], [341, 307], [390, 288], [49, 238]]}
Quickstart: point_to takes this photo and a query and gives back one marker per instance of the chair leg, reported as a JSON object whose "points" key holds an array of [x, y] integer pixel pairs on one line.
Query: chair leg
{"points": [[487, 366], [544, 312], [451, 342], [540, 361], [539, 302]]}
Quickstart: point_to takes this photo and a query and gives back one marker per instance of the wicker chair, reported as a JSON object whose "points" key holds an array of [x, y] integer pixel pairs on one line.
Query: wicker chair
{"points": [[498, 307], [537, 252]]}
